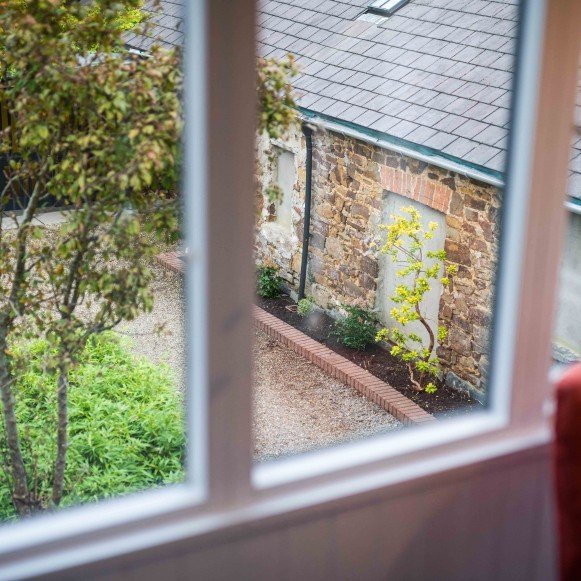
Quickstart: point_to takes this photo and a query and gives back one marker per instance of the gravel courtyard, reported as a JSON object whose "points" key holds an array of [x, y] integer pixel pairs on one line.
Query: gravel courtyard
{"points": [[298, 407]]}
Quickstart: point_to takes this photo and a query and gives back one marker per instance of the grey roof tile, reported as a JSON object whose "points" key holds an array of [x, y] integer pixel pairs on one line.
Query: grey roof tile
{"points": [[362, 97], [372, 83], [323, 103], [440, 140], [345, 93], [574, 186], [403, 128], [337, 108], [342, 75], [459, 106], [481, 154], [368, 118], [480, 111], [431, 117], [384, 124], [470, 129], [460, 147], [378, 102], [441, 101], [352, 113], [395, 107], [402, 91], [500, 117], [423, 97], [308, 100], [449, 122], [489, 95], [421, 134], [414, 111], [497, 162], [492, 135]]}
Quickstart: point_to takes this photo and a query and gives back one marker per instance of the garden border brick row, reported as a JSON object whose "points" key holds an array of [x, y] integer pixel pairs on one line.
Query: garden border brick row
{"points": [[337, 366], [171, 261]]}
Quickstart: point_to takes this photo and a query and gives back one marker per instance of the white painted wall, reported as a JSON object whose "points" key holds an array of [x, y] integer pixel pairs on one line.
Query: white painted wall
{"points": [[282, 168], [286, 177], [392, 204]]}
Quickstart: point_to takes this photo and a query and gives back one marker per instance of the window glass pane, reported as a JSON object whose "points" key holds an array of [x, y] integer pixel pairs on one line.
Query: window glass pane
{"points": [[91, 304], [399, 155], [567, 333]]}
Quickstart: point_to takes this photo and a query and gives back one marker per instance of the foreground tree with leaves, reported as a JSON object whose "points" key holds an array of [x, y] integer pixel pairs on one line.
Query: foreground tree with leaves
{"points": [[405, 244], [97, 129], [277, 106]]}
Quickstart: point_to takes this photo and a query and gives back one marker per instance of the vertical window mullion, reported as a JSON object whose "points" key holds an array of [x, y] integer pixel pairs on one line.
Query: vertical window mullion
{"points": [[533, 205], [219, 168]]}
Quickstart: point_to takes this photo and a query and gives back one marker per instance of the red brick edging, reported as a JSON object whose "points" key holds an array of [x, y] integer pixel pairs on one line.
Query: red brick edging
{"points": [[172, 261], [337, 366], [398, 405]]}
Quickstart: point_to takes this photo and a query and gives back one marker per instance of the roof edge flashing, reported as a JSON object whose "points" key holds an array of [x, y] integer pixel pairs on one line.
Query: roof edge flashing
{"points": [[404, 147]]}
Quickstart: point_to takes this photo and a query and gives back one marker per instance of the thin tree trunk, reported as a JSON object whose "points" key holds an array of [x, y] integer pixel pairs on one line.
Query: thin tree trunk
{"points": [[62, 437], [21, 497], [417, 384], [420, 382], [25, 501], [428, 329]]}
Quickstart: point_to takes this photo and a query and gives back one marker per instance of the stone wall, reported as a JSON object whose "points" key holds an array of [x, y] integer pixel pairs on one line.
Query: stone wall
{"points": [[350, 182]]}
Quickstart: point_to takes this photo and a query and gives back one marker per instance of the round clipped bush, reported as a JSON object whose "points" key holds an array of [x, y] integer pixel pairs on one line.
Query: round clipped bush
{"points": [[357, 329], [305, 307], [126, 424], [268, 282]]}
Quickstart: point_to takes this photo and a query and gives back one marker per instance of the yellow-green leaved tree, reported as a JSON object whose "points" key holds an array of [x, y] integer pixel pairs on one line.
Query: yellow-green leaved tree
{"points": [[420, 268]]}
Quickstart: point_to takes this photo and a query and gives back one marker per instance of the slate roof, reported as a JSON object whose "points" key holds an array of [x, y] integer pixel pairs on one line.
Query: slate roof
{"points": [[437, 73]]}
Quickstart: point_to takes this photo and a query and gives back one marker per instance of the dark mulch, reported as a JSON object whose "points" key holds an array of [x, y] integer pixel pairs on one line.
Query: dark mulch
{"points": [[445, 402]]}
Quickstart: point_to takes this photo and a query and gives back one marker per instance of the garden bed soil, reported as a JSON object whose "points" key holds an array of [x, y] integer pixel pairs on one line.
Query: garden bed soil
{"points": [[446, 402]]}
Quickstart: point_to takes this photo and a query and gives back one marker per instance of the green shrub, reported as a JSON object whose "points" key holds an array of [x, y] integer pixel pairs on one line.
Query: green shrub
{"points": [[126, 424], [357, 329], [305, 307], [268, 283]]}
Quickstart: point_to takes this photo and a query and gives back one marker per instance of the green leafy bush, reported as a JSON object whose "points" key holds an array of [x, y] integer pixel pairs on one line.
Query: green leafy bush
{"points": [[357, 329], [274, 193], [125, 424], [268, 283], [305, 307], [275, 95]]}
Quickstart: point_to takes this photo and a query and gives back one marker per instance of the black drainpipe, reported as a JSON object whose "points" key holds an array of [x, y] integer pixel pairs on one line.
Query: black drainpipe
{"points": [[308, 132]]}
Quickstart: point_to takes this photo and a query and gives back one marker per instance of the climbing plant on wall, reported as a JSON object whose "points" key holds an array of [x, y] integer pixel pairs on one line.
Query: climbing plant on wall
{"points": [[418, 269]]}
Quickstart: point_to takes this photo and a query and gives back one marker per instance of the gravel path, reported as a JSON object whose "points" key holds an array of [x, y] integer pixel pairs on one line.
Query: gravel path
{"points": [[298, 407], [159, 335]]}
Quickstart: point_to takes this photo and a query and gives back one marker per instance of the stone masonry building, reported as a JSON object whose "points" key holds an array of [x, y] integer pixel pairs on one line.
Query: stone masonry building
{"points": [[356, 187]]}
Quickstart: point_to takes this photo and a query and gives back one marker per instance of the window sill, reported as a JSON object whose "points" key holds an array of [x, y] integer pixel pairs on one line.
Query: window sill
{"points": [[381, 451], [22, 557]]}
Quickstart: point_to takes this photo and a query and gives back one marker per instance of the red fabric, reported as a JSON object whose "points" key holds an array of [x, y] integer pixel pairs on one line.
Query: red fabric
{"points": [[568, 472]]}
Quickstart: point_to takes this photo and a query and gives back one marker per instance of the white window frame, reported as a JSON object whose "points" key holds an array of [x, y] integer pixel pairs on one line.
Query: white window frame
{"points": [[223, 490]]}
